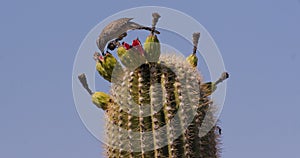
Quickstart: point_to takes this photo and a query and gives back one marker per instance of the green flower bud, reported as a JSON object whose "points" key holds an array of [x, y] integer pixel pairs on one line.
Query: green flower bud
{"points": [[102, 71], [121, 51], [109, 63], [131, 56], [105, 65], [124, 56], [208, 88], [101, 100], [192, 59], [152, 48]]}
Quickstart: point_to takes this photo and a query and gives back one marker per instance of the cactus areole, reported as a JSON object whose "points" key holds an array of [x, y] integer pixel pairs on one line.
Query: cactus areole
{"points": [[157, 103]]}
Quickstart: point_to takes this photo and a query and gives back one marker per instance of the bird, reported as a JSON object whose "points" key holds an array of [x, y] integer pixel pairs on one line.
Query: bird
{"points": [[117, 29]]}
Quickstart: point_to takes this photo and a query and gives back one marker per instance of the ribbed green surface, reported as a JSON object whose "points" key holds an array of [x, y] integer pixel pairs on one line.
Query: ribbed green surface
{"points": [[163, 86], [158, 106]]}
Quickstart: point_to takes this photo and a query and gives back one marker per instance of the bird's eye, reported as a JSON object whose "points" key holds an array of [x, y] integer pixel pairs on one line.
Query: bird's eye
{"points": [[111, 46]]}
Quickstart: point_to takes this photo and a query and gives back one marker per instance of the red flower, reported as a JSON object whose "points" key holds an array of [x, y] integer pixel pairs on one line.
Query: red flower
{"points": [[126, 45], [101, 58], [137, 43]]}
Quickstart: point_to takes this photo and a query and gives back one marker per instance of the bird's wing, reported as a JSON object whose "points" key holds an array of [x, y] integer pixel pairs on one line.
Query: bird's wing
{"points": [[133, 26], [114, 30], [114, 26]]}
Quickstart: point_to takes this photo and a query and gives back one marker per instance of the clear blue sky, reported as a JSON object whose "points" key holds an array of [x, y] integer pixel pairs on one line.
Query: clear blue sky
{"points": [[259, 41]]}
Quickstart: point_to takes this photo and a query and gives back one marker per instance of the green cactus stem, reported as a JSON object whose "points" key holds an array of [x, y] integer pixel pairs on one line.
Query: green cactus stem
{"points": [[158, 108]]}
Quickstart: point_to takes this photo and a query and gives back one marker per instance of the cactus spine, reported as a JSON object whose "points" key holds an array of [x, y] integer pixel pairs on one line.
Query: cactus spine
{"points": [[158, 103]]}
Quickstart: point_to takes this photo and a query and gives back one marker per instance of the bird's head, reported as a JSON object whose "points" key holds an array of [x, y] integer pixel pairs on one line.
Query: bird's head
{"points": [[101, 44], [112, 45]]}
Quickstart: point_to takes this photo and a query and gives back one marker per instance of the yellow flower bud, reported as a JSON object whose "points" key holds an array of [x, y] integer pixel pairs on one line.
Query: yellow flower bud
{"points": [[101, 100], [192, 60], [105, 65], [152, 48]]}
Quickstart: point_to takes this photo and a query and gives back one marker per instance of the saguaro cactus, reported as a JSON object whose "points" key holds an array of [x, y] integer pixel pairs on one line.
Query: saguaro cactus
{"points": [[158, 105]]}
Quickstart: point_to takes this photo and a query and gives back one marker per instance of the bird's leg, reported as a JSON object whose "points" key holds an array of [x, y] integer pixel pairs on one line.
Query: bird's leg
{"points": [[149, 29]]}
